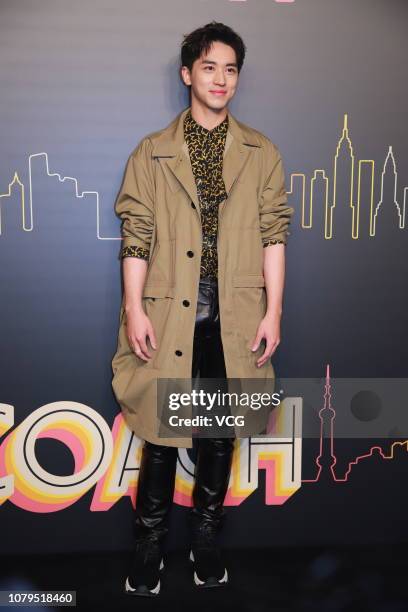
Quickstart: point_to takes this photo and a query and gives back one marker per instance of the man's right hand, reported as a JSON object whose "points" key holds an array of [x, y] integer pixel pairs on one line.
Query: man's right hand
{"points": [[139, 327]]}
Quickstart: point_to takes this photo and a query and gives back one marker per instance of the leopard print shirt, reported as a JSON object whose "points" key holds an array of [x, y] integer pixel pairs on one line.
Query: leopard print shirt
{"points": [[206, 149]]}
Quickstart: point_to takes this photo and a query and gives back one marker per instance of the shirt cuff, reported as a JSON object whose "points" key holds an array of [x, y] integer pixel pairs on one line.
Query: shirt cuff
{"points": [[135, 251], [268, 242]]}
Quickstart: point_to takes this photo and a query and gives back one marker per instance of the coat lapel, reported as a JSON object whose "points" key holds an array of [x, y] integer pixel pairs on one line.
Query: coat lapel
{"points": [[172, 150]]}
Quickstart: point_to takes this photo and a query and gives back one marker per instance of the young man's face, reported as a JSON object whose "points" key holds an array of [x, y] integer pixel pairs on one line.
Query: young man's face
{"points": [[214, 77]]}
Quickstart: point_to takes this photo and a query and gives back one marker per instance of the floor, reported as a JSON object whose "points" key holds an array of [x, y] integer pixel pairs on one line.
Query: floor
{"points": [[370, 579]]}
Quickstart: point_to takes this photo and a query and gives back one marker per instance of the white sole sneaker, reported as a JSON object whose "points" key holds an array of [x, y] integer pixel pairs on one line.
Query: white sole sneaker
{"points": [[142, 590], [210, 582]]}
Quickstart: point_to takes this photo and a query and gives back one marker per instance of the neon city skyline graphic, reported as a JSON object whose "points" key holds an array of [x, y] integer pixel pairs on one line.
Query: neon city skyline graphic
{"points": [[303, 193], [326, 460]]}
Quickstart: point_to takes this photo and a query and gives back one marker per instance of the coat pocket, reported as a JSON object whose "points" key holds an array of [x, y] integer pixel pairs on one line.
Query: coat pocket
{"points": [[157, 291], [161, 269], [249, 302], [157, 303], [248, 280]]}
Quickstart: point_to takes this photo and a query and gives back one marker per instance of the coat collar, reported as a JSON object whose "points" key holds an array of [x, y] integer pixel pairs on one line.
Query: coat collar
{"points": [[170, 145]]}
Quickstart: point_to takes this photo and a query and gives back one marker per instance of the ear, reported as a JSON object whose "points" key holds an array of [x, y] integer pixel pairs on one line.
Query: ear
{"points": [[185, 75]]}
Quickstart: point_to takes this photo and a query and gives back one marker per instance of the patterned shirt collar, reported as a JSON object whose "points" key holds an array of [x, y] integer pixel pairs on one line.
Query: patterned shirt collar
{"points": [[192, 127]]}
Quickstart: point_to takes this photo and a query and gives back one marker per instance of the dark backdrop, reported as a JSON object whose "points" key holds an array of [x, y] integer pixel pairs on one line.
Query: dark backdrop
{"points": [[82, 82]]}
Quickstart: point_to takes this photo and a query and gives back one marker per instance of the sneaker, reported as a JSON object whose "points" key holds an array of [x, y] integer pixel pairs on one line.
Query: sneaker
{"points": [[209, 568], [144, 573]]}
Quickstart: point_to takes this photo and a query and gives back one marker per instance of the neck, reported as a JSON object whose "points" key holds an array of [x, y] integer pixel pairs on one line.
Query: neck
{"points": [[209, 118]]}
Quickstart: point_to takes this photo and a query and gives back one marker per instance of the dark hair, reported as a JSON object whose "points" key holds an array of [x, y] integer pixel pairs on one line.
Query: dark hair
{"points": [[201, 39]]}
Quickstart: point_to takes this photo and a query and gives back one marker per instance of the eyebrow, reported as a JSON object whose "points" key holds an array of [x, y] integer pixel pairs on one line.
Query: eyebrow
{"points": [[204, 61]]}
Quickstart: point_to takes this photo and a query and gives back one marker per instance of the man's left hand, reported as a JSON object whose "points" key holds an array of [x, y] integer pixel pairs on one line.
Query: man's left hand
{"points": [[269, 329]]}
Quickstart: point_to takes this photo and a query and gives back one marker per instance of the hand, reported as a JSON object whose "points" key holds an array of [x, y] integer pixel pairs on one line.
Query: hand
{"points": [[269, 328], [139, 327]]}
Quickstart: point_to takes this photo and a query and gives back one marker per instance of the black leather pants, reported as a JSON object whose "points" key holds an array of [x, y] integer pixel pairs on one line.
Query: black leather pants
{"points": [[157, 471]]}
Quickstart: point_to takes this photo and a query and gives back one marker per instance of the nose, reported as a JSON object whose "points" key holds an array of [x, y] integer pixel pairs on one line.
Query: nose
{"points": [[219, 76]]}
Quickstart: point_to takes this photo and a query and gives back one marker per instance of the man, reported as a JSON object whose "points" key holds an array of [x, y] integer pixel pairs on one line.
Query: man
{"points": [[204, 224]]}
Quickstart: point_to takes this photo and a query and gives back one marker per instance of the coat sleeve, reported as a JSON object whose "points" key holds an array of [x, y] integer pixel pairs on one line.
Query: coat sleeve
{"points": [[275, 214], [135, 203]]}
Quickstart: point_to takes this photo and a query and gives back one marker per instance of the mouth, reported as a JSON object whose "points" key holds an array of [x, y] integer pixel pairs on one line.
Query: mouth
{"points": [[218, 92]]}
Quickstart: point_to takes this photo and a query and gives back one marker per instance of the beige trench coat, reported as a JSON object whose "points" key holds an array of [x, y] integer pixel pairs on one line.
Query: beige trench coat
{"points": [[159, 209]]}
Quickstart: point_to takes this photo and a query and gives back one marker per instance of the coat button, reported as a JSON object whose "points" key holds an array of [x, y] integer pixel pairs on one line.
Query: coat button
{"points": [[178, 353], [193, 205], [186, 303], [190, 253]]}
